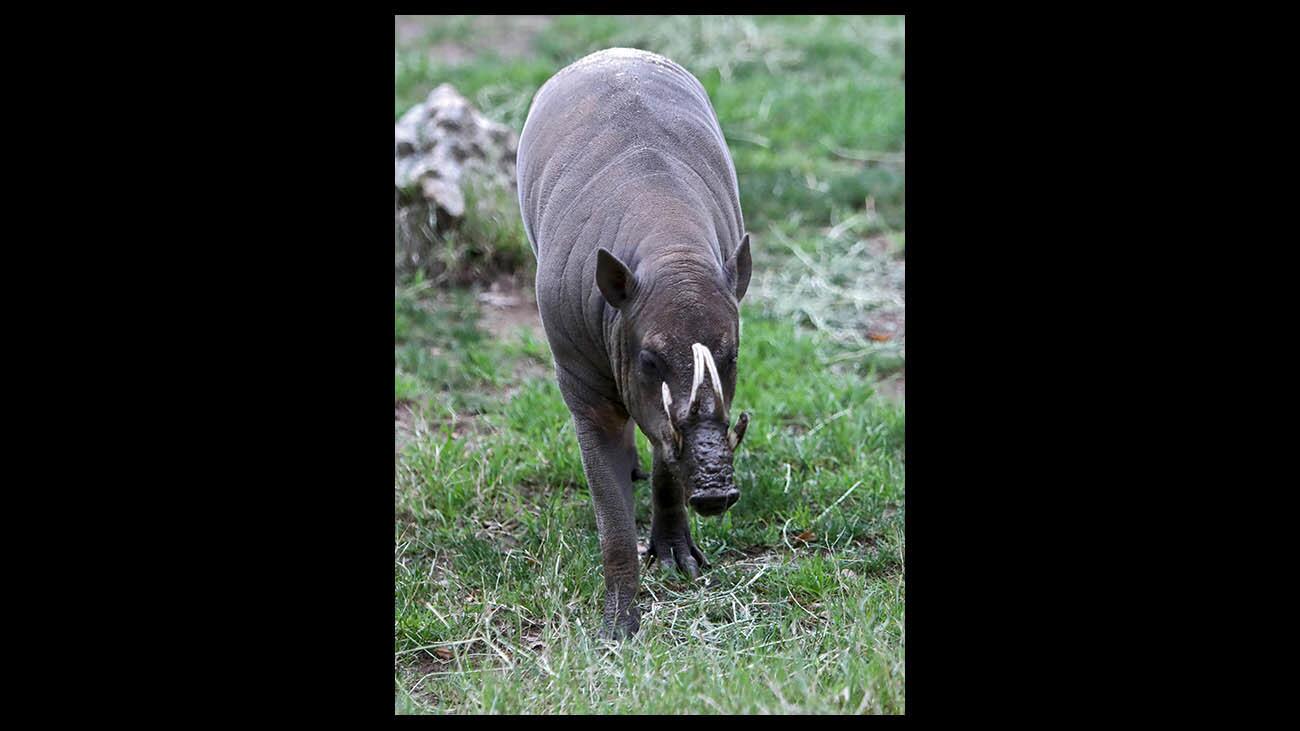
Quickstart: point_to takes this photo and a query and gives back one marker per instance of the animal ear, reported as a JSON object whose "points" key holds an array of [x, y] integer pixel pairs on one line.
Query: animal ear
{"points": [[616, 282], [739, 267]]}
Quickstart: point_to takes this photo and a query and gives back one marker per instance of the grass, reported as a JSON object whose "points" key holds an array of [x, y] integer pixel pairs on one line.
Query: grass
{"points": [[496, 555]]}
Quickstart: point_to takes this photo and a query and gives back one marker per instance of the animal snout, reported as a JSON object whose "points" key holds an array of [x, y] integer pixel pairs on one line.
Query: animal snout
{"points": [[714, 502]]}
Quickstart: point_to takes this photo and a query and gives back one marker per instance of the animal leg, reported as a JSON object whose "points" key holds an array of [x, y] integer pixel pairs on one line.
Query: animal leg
{"points": [[670, 532], [608, 464]]}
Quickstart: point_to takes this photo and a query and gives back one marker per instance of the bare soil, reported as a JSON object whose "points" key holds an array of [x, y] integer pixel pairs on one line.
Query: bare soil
{"points": [[509, 308], [510, 36]]}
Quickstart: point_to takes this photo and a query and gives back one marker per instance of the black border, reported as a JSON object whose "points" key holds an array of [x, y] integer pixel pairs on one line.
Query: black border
{"points": [[1004, 415]]}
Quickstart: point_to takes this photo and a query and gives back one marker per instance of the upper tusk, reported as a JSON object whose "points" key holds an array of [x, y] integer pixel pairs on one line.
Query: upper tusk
{"points": [[713, 375], [703, 362], [697, 374]]}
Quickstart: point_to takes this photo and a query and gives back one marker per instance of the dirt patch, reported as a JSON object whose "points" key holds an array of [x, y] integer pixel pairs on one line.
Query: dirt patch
{"points": [[408, 29], [501, 535], [411, 418], [886, 326], [403, 425], [508, 36], [892, 388], [508, 312], [508, 308]]}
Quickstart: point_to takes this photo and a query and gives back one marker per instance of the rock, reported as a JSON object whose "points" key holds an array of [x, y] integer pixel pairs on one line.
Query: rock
{"points": [[442, 147]]}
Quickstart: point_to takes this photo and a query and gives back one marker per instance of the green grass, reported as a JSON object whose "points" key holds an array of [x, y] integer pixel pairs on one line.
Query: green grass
{"points": [[496, 555], [498, 561]]}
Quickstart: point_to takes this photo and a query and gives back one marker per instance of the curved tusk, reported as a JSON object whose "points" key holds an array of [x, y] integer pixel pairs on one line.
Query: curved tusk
{"points": [[704, 362], [668, 411], [713, 376], [697, 376]]}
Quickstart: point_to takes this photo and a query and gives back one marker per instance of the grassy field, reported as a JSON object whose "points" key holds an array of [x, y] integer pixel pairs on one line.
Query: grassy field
{"points": [[496, 556]]}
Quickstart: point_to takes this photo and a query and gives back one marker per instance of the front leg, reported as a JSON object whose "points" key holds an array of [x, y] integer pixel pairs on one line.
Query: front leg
{"points": [[608, 458], [670, 532]]}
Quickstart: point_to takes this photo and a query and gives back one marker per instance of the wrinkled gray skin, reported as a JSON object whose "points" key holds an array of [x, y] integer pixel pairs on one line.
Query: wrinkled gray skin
{"points": [[629, 199]]}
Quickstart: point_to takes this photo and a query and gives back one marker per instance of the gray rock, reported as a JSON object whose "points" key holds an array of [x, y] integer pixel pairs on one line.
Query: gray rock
{"points": [[441, 147]]}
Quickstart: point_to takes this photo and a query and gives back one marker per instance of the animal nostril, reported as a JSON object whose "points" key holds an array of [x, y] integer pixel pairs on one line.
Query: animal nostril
{"points": [[714, 503]]}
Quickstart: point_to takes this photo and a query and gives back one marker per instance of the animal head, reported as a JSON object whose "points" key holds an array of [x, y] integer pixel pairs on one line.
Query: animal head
{"points": [[678, 364]]}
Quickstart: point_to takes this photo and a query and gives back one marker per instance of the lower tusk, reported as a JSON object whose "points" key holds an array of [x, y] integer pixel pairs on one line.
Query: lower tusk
{"points": [[668, 411], [738, 432]]}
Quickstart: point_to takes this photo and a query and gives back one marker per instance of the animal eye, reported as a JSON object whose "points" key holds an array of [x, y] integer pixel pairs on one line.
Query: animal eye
{"points": [[648, 363]]}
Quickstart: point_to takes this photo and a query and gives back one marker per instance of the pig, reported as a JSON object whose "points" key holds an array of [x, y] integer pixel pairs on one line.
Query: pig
{"points": [[630, 203]]}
